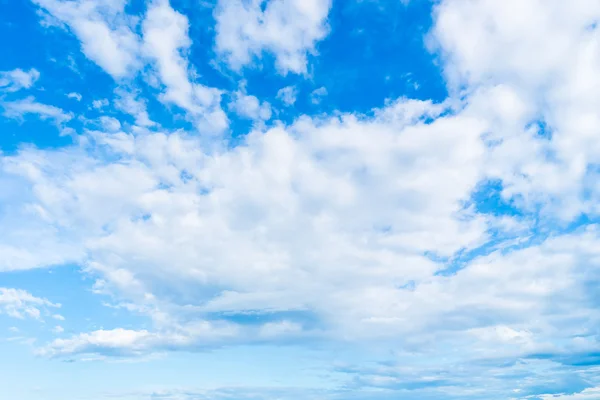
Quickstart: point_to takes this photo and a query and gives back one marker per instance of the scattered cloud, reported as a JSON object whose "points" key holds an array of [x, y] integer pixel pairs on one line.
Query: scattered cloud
{"points": [[285, 190], [166, 41], [58, 329], [20, 108], [130, 103], [104, 29], [110, 124], [100, 103], [587, 394], [248, 106], [317, 95], [287, 95], [20, 304], [287, 29], [74, 95], [555, 86], [371, 231], [17, 79]]}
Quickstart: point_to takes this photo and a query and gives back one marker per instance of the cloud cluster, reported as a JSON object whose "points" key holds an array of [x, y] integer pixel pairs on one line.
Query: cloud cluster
{"points": [[17, 79], [20, 304], [320, 224], [287, 29], [287, 95], [248, 106], [122, 46], [368, 229], [106, 33], [553, 87], [166, 40]]}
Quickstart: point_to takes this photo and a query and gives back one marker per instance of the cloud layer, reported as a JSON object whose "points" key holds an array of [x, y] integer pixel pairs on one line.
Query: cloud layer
{"points": [[459, 238]]}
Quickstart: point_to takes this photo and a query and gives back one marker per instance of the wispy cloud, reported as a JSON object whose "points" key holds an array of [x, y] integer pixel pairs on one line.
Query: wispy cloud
{"points": [[20, 108], [20, 304], [17, 79]]}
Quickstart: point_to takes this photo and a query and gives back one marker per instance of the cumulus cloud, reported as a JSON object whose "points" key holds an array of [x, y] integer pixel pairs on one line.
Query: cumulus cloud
{"points": [[17, 79], [167, 42], [554, 89], [20, 304], [311, 210], [130, 103], [106, 32], [109, 36], [74, 95], [100, 103], [58, 329], [110, 124], [317, 95], [288, 29], [287, 95], [357, 228], [248, 106]]}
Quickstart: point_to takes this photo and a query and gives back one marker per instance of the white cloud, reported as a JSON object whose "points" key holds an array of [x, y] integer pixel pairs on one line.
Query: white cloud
{"points": [[20, 304], [129, 103], [248, 106], [105, 31], [17, 79], [74, 95], [108, 37], [346, 221], [497, 42], [299, 204], [20, 108], [317, 95], [287, 95], [110, 124], [504, 45], [58, 329], [288, 29], [100, 103], [166, 41], [17, 252], [587, 394], [127, 342]]}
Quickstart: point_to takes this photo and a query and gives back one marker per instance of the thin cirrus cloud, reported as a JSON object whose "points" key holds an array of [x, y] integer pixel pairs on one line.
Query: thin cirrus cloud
{"points": [[452, 241]]}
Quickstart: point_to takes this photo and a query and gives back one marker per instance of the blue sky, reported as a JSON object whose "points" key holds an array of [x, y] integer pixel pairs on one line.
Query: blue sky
{"points": [[292, 199]]}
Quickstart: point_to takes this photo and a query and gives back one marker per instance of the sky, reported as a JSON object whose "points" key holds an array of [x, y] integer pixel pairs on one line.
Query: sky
{"points": [[299, 199]]}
